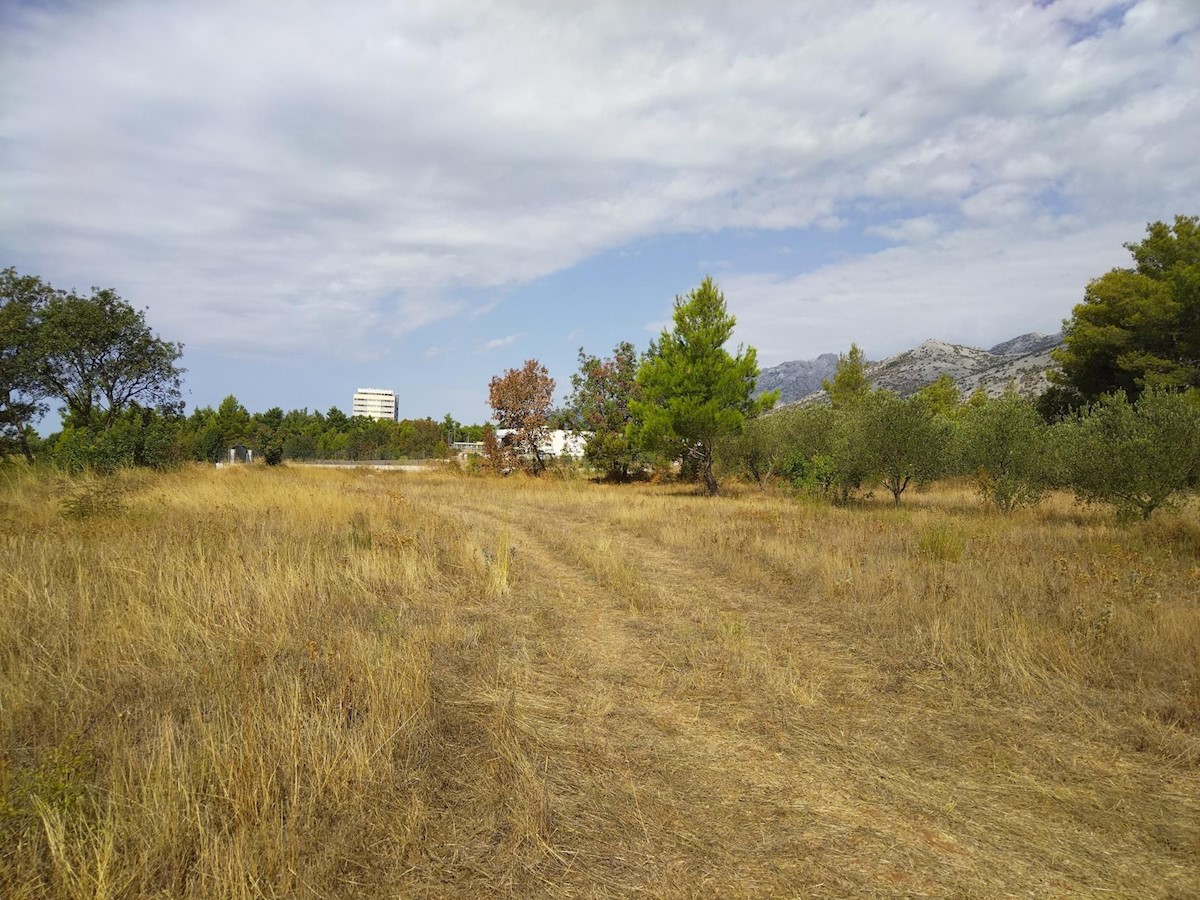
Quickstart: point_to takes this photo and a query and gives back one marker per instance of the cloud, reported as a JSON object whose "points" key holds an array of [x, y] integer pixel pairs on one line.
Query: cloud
{"points": [[918, 228], [968, 287], [273, 178], [496, 343], [573, 335]]}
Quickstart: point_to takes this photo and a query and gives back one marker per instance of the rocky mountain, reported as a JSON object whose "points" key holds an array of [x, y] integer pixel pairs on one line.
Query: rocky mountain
{"points": [[1034, 342], [797, 378], [1024, 360]]}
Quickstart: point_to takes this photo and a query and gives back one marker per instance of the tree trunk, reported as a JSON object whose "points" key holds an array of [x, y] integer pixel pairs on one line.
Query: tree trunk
{"points": [[710, 480], [756, 474], [24, 439]]}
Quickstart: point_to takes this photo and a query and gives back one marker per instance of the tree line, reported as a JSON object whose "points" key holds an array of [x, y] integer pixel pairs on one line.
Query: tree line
{"points": [[119, 389], [672, 404], [302, 435], [1137, 455], [1120, 423], [162, 438]]}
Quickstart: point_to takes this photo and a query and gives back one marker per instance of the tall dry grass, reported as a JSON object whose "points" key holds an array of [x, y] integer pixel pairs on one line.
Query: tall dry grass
{"points": [[260, 682]]}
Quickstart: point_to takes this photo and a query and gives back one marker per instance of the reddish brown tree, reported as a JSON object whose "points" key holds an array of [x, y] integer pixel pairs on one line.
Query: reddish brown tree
{"points": [[522, 402]]}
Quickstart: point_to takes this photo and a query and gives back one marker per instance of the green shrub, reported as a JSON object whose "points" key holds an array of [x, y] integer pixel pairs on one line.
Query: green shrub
{"points": [[892, 439], [137, 438], [1003, 442], [1138, 457]]}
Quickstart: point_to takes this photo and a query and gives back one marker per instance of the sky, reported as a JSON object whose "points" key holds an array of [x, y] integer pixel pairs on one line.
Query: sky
{"points": [[314, 197]]}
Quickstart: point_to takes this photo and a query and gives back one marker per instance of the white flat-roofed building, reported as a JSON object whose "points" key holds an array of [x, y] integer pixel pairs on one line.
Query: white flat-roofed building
{"points": [[555, 442], [377, 403]]}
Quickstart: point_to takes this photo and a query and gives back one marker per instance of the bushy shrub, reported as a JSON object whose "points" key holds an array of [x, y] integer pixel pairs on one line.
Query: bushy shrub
{"points": [[1002, 442], [758, 451], [892, 439], [817, 473], [1138, 457], [137, 438]]}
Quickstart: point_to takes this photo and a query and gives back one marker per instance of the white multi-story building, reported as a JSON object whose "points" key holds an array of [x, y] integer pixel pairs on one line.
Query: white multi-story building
{"points": [[374, 402]]}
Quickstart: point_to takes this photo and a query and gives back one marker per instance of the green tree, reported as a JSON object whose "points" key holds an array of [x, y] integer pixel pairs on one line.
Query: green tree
{"points": [[1139, 327], [759, 450], [233, 421], [808, 437], [136, 437], [978, 398], [849, 385], [203, 439], [336, 419], [1138, 457], [449, 429], [272, 419], [942, 396], [894, 439], [1058, 402], [299, 446], [602, 391], [23, 298], [100, 358], [472, 433], [693, 390], [1003, 444]]}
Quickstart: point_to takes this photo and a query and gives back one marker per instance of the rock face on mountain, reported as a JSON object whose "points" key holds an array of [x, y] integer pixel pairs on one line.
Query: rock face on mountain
{"points": [[797, 378], [1024, 360], [908, 372], [1024, 344]]}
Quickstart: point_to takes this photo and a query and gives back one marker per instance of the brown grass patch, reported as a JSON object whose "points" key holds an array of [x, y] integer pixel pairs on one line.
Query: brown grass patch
{"points": [[337, 683]]}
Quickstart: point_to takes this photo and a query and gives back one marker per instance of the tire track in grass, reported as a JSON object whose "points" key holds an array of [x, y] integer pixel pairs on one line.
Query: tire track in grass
{"points": [[900, 758], [712, 792]]}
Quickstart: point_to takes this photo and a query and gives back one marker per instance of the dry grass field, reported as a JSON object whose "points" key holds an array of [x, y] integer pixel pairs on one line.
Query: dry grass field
{"points": [[298, 683]]}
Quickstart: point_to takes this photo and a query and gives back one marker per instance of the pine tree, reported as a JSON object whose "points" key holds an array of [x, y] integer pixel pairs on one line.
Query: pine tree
{"points": [[693, 391]]}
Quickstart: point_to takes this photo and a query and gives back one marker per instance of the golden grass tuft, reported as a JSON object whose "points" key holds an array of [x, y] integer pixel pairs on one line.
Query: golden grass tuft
{"points": [[286, 682]]}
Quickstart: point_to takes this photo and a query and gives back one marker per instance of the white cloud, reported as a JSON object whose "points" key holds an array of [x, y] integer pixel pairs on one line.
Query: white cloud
{"points": [[274, 176], [977, 286], [918, 228], [496, 343]]}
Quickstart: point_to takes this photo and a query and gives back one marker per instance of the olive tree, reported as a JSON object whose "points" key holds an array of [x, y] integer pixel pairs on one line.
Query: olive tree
{"points": [[1002, 443], [1138, 457], [896, 440]]}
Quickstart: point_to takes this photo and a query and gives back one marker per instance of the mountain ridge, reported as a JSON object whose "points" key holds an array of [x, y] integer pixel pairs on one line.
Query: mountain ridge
{"points": [[1024, 360]]}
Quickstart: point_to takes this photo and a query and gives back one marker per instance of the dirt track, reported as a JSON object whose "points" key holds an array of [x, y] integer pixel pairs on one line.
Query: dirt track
{"points": [[713, 730]]}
